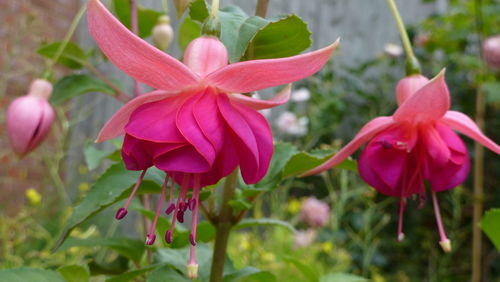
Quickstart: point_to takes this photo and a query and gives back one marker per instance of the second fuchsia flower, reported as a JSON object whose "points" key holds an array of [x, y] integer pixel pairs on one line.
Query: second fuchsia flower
{"points": [[196, 127], [416, 144]]}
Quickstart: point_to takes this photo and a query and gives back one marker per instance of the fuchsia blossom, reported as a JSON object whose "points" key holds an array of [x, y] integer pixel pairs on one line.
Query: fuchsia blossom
{"points": [[414, 145], [196, 127], [30, 117]]}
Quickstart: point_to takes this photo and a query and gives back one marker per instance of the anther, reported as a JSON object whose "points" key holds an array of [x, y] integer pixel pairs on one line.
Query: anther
{"points": [[121, 213], [150, 239]]}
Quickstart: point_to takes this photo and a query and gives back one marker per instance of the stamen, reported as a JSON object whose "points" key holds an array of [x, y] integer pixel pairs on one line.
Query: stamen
{"points": [[180, 199], [171, 206], [444, 242], [402, 206], [151, 236], [122, 212]]}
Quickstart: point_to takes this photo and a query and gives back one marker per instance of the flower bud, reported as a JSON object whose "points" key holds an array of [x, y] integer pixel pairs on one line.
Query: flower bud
{"points": [[302, 239], [315, 213], [491, 51], [30, 117], [393, 50], [163, 33], [408, 86]]}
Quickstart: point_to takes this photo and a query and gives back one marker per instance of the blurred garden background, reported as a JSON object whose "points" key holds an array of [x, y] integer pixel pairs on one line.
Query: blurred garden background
{"points": [[328, 227]]}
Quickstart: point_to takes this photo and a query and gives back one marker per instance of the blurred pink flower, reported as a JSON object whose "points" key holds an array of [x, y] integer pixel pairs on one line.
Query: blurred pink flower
{"points": [[303, 238], [491, 51], [30, 117], [315, 212], [196, 127], [417, 143]]}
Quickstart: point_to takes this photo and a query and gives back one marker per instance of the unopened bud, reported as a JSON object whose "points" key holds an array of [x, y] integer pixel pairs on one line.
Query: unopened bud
{"points": [[491, 51], [192, 271], [30, 117], [445, 245], [162, 33]]}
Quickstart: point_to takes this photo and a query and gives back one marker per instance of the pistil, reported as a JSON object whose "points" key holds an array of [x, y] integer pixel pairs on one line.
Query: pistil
{"points": [[444, 242]]}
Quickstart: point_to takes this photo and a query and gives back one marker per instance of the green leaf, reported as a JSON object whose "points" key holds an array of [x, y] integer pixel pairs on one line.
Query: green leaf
{"points": [[285, 37], [167, 273], [130, 275], [305, 161], [113, 185], [130, 248], [491, 226], [240, 204], [74, 273], [198, 10], [188, 31], [147, 18], [251, 222], [342, 277], [78, 84], [94, 156], [181, 6], [283, 152], [492, 90], [205, 232], [25, 274], [305, 269], [177, 258], [250, 272], [245, 32], [73, 56]]}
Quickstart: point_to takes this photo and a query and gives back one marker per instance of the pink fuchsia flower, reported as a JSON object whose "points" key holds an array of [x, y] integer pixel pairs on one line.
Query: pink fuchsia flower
{"points": [[491, 51], [30, 117], [415, 144], [196, 127], [315, 212]]}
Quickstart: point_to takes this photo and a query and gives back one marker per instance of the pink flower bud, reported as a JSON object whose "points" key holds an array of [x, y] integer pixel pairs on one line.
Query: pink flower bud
{"points": [[315, 212], [408, 86], [30, 117], [491, 51], [163, 33]]}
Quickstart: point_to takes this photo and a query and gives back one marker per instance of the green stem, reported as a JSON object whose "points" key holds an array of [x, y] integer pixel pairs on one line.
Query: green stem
{"points": [[165, 6], [67, 37], [215, 8], [223, 228], [412, 64]]}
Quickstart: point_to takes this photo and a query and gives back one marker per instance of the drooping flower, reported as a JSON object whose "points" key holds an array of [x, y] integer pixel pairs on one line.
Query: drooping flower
{"points": [[30, 117], [416, 144], [196, 127], [315, 212], [491, 51]]}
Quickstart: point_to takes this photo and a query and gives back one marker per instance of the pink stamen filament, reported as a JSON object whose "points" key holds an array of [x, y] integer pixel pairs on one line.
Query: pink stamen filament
{"points": [[437, 213], [180, 199], [123, 211], [402, 206], [194, 222], [171, 206], [151, 236]]}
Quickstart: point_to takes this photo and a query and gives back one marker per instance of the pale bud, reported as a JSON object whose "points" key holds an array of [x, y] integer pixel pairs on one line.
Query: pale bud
{"points": [[163, 33], [393, 50], [491, 51], [301, 95], [290, 124], [30, 117]]}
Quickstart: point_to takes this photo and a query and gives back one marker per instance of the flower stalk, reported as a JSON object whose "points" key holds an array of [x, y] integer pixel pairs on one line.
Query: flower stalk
{"points": [[412, 64]]}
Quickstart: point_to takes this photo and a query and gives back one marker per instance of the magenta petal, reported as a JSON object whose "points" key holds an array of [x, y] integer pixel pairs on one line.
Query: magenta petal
{"points": [[224, 164], [188, 127], [370, 176], [282, 97], [242, 137], [434, 145], [135, 56], [254, 75], [370, 129], [185, 159], [264, 137], [429, 103], [205, 54], [133, 154], [455, 170], [208, 118], [468, 127], [156, 122], [114, 127]]}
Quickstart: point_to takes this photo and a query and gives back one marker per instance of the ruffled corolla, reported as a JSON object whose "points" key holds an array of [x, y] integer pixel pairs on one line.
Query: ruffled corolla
{"points": [[196, 127], [415, 145]]}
